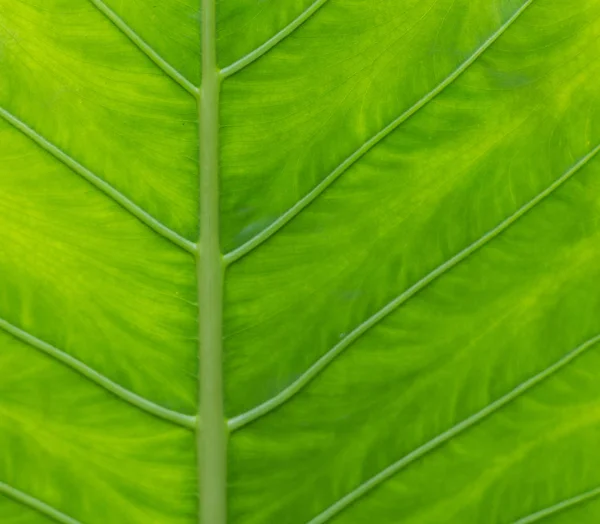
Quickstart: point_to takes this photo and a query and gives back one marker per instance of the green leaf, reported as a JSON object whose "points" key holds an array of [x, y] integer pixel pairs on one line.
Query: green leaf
{"points": [[364, 233]]}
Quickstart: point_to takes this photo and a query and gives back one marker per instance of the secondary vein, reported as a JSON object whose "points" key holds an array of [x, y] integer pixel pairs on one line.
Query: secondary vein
{"points": [[38, 505], [318, 367], [273, 41], [560, 507], [309, 198], [98, 183], [99, 379], [469, 422], [167, 68]]}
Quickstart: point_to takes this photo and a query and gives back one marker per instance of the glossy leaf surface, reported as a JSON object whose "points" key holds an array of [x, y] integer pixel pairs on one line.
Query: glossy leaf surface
{"points": [[409, 224]]}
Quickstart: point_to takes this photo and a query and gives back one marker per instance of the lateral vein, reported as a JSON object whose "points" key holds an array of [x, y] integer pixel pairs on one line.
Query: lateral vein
{"points": [[167, 68], [444, 437], [99, 379], [98, 183], [38, 505], [310, 197], [318, 367], [560, 507], [273, 41]]}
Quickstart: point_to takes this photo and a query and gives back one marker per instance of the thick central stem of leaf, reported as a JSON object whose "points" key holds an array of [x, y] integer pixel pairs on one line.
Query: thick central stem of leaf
{"points": [[212, 434]]}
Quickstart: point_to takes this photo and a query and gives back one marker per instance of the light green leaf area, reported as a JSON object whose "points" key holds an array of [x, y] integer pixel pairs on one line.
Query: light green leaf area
{"points": [[409, 229]]}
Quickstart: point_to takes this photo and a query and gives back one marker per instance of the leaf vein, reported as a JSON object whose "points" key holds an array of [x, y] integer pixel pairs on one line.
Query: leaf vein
{"points": [[145, 48], [446, 436], [560, 507], [318, 367], [99, 379], [310, 197], [38, 505], [273, 41], [98, 183]]}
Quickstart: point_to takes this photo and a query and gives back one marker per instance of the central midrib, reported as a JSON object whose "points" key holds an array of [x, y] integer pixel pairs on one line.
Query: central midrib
{"points": [[211, 437]]}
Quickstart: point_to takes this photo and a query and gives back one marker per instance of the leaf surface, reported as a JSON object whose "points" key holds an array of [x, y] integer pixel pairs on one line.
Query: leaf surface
{"points": [[397, 206]]}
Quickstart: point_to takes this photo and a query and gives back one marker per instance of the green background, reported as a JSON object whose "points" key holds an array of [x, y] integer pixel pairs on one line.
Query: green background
{"points": [[410, 210]]}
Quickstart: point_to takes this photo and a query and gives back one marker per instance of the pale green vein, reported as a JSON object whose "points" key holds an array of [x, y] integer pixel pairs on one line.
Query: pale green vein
{"points": [[99, 379], [38, 505], [363, 328], [100, 184], [167, 68], [560, 507], [211, 442], [310, 197], [273, 41], [434, 443]]}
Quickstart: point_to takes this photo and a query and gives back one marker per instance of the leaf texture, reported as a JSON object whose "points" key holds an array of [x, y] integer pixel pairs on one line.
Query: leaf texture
{"points": [[367, 231]]}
